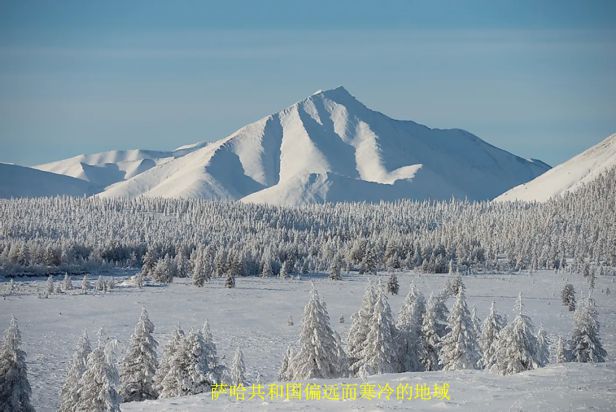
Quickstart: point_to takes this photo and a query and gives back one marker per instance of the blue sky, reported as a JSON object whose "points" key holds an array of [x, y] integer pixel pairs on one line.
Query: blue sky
{"points": [[537, 78]]}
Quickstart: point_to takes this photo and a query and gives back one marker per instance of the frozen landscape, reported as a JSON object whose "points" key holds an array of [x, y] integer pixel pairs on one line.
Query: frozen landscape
{"points": [[254, 316]]}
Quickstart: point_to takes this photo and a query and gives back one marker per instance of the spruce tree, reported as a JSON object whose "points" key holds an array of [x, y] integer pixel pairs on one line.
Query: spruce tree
{"points": [[68, 283], [408, 325], [392, 284], [488, 339], [284, 270], [99, 381], [85, 284], [360, 325], [140, 363], [562, 354], [318, 351], [543, 347], [15, 389], [50, 285], [431, 338], [459, 347], [517, 345], [585, 342], [284, 374], [380, 353], [230, 280], [69, 394], [172, 347], [568, 296], [335, 269], [215, 368], [238, 369]]}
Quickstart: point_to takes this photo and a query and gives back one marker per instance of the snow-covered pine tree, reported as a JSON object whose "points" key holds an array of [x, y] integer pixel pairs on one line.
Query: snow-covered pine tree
{"points": [[392, 284], [85, 284], [430, 334], [215, 368], [267, 270], [517, 345], [408, 325], [99, 381], [238, 369], [69, 394], [336, 268], [283, 373], [68, 283], [100, 284], [568, 296], [459, 347], [476, 322], [543, 347], [488, 339], [50, 285], [140, 363], [360, 325], [230, 280], [169, 351], [380, 353], [200, 268], [284, 270], [317, 354], [585, 341], [561, 355], [188, 369], [15, 389]]}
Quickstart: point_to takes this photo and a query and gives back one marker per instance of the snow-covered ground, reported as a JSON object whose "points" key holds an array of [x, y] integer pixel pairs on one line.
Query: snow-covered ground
{"points": [[254, 316]]}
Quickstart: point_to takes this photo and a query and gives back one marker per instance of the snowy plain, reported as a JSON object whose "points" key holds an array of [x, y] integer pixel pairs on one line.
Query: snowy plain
{"points": [[254, 316]]}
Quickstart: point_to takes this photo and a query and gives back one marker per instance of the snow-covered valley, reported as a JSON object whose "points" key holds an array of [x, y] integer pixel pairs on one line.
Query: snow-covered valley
{"points": [[254, 316]]}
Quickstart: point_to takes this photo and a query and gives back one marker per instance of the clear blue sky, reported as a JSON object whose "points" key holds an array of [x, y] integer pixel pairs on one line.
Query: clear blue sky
{"points": [[537, 78]]}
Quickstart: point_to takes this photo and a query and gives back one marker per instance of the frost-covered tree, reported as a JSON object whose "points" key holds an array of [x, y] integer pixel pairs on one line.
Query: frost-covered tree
{"points": [[568, 296], [459, 347], [408, 325], [318, 351], [517, 345], [188, 372], [283, 373], [380, 353], [267, 271], [85, 284], [164, 270], [431, 334], [284, 270], [335, 268], [476, 322], [561, 355], [68, 283], [100, 284], [360, 325], [392, 284], [230, 280], [100, 380], [140, 363], [201, 267], [139, 280], [51, 288], [238, 369], [585, 341], [488, 340], [15, 389], [215, 368], [171, 348], [69, 394], [543, 347]]}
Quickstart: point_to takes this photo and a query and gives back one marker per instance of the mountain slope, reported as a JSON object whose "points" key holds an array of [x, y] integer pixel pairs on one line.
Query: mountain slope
{"points": [[20, 181], [330, 147], [105, 168], [568, 176]]}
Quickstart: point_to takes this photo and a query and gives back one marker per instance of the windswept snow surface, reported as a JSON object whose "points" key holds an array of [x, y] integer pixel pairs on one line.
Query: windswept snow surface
{"points": [[254, 316], [330, 147], [568, 176], [20, 181]]}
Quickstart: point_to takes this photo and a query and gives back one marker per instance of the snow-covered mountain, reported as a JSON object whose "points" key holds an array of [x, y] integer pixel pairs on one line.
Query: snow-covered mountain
{"points": [[567, 176], [20, 181], [105, 168], [330, 147]]}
